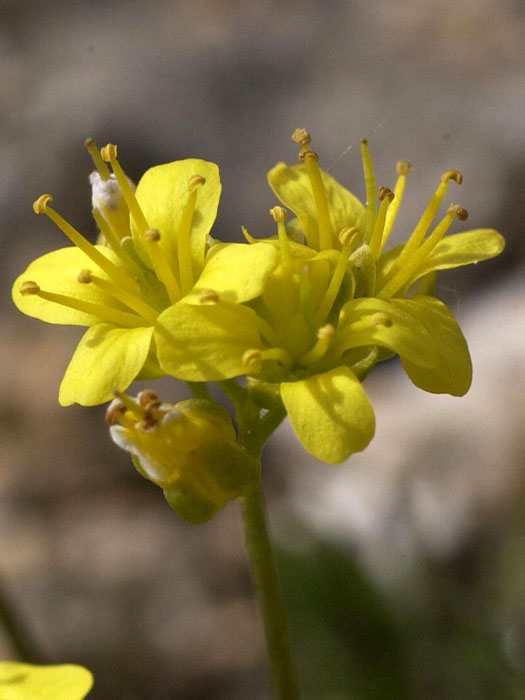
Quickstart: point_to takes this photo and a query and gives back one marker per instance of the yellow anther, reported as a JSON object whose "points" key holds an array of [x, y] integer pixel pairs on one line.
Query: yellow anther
{"points": [[209, 297], [108, 152], [303, 155], [29, 287], [148, 399], [278, 214], [347, 236], [382, 319], [116, 408], [452, 175], [459, 212], [251, 357], [84, 276], [326, 332], [195, 181], [40, 204], [152, 234], [384, 193], [403, 168], [301, 137]]}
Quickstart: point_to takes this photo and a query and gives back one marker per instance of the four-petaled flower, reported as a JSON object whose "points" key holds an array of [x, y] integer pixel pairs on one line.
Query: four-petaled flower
{"points": [[156, 253], [334, 306]]}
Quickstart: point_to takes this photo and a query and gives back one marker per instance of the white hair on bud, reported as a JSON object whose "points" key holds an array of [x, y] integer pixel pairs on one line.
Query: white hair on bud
{"points": [[105, 194]]}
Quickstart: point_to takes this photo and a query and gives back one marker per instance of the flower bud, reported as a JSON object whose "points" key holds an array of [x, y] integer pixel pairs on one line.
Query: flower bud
{"points": [[189, 449]]}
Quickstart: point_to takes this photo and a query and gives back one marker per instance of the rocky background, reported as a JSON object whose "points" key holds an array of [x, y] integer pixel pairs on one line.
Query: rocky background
{"points": [[404, 567]]}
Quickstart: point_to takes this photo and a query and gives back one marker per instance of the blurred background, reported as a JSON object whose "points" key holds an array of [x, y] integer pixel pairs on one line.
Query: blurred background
{"points": [[404, 567]]}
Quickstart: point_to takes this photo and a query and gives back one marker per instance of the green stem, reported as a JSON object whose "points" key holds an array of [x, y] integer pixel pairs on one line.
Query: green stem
{"points": [[268, 590], [17, 632], [253, 432], [199, 390]]}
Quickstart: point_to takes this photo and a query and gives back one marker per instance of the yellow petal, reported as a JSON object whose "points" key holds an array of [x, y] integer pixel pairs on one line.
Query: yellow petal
{"points": [[237, 272], [406, 336], [463, 249], [330, 414], [291, 186], [57, 272], [205, 343], [162, 194], [452, 373], [107, 358], [20, 681]]}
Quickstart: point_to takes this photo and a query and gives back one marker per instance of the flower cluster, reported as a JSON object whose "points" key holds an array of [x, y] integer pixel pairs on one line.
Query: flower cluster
{"points": [[300, 317]]}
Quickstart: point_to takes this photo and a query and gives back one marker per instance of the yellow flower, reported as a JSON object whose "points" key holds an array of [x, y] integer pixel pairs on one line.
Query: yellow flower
{"points": [[20, 681], [188, 449], [156, 253], [335, 306]]}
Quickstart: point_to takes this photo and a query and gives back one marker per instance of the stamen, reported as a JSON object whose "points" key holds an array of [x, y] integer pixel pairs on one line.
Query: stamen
{"points": [[209, 297], [324, 308], [357, 334], [301, 137], [249, 239], [348, 236], [385, 196], [370, 188], [109, 154], [310, 158], [428, 215], [131, 404], [113, 241], [160, 264], [148, 399], [40, 206], [115, 408], [251, 359], [279, 215], [184, 235], [418, 258], [132, 301], [325, 334], [99, 164], [122, 319], [403, 169], [305, 293], [280, 355]]}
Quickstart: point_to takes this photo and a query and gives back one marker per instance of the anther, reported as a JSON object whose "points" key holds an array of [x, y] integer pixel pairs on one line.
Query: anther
{"points": [[208, 297], [452, 175], [403, 168], [385, 192], [195, 181], [29, 287], [382, 319], [251, 356], [148, 399], [115, 408], [108, 152], [152, 234], [84, 276], [147, 424], [326, 332], [301, 137], [278, 214], [40, 204], [307, 154], [459, 212], [348, 235]]}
